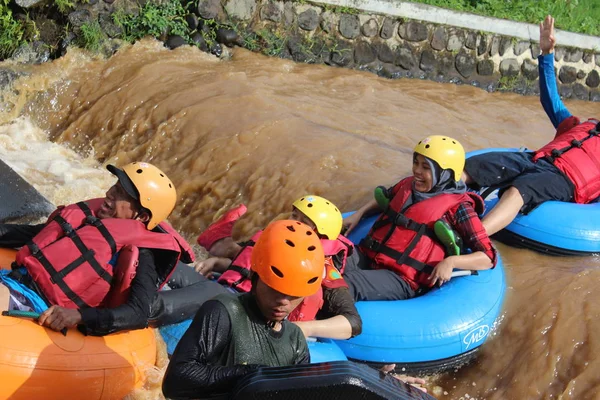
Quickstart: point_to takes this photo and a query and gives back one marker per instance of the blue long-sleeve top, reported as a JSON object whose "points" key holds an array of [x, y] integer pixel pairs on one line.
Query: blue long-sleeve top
{"points": [[553, 105]]}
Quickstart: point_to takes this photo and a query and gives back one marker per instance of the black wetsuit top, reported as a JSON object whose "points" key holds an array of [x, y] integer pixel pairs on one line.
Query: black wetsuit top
{"points": [[222, 345], [133, 314], [339, 301]]}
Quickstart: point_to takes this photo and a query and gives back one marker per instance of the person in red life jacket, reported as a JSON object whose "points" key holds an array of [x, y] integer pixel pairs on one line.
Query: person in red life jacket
{"points": [[65, 267], [401, 256], [329, 313], [566, 169]]}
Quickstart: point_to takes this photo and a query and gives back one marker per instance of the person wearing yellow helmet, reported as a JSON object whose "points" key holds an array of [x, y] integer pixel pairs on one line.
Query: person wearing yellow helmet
{"points": [[68, 268], [402, 256]]}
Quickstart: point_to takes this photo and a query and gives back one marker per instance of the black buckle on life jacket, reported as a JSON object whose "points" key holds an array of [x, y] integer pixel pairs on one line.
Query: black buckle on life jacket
{"points": [[244, 272], [401, 220], [33, 249], [576, 143], [91, 220], [371, 244], [555, 153]]}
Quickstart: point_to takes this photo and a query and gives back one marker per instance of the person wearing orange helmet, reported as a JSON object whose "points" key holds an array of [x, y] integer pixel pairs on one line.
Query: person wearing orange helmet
{"points": [[232, 336], [402, 256], [329, 313], [67, 268]]}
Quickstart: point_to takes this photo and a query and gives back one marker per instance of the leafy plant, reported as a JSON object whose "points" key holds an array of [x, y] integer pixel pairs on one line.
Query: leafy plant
{"points": [[64, 6], [508, 82], [341, 9], [91, 36], [12, 32], [154, 20], [273, 42]]}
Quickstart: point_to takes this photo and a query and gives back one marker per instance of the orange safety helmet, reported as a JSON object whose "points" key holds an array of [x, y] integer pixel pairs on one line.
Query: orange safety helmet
{"points": [[150, 186], [288, 257]]}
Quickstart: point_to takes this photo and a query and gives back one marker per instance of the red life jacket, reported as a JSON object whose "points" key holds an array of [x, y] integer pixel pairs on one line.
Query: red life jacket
{"points": [[405, 242], [339, 250], [237, 275], [576, 152], [308, 309], [69, 259]]}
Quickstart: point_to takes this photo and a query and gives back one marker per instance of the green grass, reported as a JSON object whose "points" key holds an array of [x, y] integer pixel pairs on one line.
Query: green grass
{"points": [[91, 37], [154, 20], [582, 16], [64, 6], [12, 32]]}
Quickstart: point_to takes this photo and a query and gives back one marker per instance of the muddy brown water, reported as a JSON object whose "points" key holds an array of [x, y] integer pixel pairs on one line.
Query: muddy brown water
{"points": [[263, 132]]}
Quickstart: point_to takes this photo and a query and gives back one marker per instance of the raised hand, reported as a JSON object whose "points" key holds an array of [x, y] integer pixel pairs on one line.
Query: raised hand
{"points": [[547, 39]]}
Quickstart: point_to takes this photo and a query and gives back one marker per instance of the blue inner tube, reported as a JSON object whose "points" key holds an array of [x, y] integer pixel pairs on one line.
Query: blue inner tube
{"points": [[554, 227], [443, 324]]}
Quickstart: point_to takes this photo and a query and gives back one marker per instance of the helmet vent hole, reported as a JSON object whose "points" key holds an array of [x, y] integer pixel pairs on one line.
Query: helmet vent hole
{"points": [[139, 171], [443, 138], [302, 199], [170, 186], [336, 209], [309, 205], [162, 175], [427, 146], [453, 142], [313, 280], [327, 202], [312, 248], [291, 228], [308, 233], [277, 271], [289, 243]]}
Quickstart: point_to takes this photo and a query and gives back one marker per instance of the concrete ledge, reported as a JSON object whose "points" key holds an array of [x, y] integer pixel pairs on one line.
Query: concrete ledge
{"points": [[438, 15]]}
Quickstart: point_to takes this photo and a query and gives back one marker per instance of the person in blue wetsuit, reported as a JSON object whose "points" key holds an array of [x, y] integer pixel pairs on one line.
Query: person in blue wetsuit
{"points": [[566, 169]]}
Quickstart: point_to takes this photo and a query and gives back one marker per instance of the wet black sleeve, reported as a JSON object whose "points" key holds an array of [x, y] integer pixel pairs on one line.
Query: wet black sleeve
{"points": [[135, 312], [192, 371], [303, 352], [13, 235], [339, 301]]}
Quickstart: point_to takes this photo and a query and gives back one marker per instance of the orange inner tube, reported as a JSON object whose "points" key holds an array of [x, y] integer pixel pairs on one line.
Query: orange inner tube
{"points": [[36, 362]]}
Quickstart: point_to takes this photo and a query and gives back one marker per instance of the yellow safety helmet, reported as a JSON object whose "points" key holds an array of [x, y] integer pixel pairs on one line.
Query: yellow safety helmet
{"points": [[323, 213], [150, 186], [447, 152]]}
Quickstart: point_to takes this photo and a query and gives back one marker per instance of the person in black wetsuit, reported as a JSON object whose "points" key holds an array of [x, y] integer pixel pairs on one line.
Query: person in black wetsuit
{"points": [[142, 193], [232, 336]]}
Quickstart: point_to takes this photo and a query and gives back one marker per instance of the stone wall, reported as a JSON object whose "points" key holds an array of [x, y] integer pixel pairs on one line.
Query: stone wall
{"points": [[394, 47]]}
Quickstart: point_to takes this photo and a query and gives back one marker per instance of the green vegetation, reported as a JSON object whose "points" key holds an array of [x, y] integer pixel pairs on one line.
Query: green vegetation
{"points": [[154, 20], [341, 9], [273, 43], [64, 6], [91, 37], [580, 16], [508, 83], [13, 32]]}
